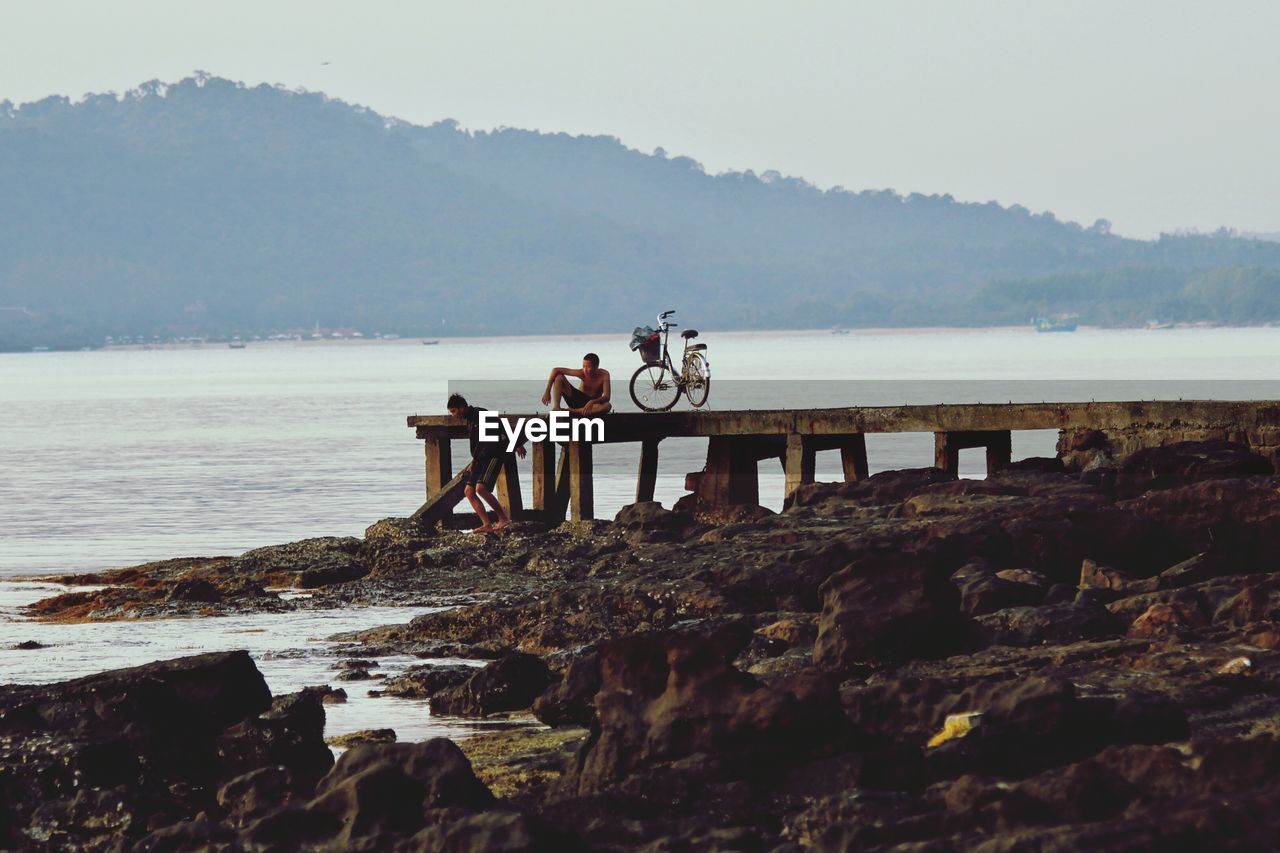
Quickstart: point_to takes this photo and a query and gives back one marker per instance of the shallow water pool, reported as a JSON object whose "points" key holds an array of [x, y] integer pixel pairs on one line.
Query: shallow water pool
{"points": [[290, 649]]}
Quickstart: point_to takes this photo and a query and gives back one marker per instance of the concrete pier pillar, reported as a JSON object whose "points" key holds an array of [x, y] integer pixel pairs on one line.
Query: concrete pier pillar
{"points": [[947, 446], [560, 507], [509, 489], [647, 478], [581, 489], [946, 452], [999, 451], [439, 463], [542, 454], [731, 475], [798, 463], [853, 458]]}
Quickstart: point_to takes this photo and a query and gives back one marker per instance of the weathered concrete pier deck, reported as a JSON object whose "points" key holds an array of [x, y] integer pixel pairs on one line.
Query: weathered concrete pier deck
{"points": [[739, 440]]}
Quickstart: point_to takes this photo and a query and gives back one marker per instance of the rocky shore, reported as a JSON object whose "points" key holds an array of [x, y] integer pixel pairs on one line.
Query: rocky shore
{"points": [[1073, 653]]}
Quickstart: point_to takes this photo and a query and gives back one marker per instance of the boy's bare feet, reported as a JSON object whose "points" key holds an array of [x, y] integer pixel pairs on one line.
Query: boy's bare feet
{"points": [[484, 528], [502, 522]]}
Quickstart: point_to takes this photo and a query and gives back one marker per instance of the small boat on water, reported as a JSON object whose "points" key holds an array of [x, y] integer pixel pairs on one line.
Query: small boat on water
{"points": [[237, 344], [1157, 325], [1057, 323], [839, 331], [430, 343]]}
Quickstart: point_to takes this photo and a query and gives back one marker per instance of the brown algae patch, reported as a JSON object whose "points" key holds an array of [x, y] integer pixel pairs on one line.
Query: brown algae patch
{"points": [[514, 761]]}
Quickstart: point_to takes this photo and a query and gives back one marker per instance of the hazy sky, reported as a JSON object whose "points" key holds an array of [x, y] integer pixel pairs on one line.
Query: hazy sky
{"points": [[1155, 115]]}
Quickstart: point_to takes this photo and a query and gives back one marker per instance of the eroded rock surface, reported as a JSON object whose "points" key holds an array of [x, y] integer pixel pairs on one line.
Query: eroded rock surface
{"points": [[88, 762], [1078, 656]]}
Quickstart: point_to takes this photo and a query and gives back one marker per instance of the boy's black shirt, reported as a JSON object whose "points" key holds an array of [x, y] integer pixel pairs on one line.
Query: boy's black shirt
{"points": [[480, 448]]}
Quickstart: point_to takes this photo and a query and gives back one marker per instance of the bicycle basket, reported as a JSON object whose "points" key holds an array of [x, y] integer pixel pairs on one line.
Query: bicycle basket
{"points": [[647, 342]]}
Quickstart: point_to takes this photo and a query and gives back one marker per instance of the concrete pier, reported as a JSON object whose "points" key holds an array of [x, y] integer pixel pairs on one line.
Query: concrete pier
{"points": [[739, 440]]}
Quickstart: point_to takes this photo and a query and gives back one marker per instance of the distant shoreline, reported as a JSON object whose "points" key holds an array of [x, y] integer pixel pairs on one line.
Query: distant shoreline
{"points": [[608, 336], [479, 339]]}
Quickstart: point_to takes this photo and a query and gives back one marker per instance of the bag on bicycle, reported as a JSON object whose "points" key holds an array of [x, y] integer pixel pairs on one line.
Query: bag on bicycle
{"points": [[647, 342]]}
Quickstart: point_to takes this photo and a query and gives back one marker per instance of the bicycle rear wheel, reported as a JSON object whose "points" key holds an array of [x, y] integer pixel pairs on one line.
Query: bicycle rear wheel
{"points": [[654, 387], [697, 379]]}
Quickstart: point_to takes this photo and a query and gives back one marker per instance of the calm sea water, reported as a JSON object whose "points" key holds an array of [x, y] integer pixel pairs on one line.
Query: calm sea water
{"points": [[114, 458]]}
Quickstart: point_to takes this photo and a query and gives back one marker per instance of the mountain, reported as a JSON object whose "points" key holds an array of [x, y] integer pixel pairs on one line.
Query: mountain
{"points": [[209, 207]]}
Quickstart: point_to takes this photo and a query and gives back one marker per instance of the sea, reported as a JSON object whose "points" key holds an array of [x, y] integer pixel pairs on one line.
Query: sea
{"points": [[115, 457]]}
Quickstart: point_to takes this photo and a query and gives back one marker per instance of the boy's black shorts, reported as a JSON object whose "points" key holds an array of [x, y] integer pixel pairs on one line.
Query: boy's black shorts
{"points": [[485, 469], [574, 398]]}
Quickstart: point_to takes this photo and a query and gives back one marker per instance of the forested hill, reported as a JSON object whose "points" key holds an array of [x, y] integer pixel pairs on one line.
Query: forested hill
{"points": [[207, 207]]}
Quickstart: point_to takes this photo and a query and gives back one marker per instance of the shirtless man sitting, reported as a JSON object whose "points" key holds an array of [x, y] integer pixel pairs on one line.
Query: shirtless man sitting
{"points": [[591, 399]]}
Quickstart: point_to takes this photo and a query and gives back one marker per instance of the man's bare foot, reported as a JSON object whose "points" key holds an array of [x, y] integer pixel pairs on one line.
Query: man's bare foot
{"points": [[502, 522], [484, 528]]}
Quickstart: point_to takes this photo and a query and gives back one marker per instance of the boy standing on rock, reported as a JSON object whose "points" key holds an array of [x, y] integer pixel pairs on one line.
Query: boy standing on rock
{"points": [[487, 460]]}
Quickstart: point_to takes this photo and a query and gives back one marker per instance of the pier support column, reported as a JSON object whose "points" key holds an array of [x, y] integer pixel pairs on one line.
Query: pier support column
{"points": [[439, 464], [647, 478], [946, 452], [509, 489], [853, 458], [543, 456], [581, 487], [561, 504], [798, 463], [999, 451], [732, 472], [947, 446]]}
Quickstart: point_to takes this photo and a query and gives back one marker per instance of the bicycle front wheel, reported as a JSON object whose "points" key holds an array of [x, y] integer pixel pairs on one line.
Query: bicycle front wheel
{"points": [[654, 387], [697, 379]]}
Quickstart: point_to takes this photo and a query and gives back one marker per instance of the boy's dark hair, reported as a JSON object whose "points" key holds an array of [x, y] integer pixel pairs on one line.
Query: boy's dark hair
{"points": [[456, 401], [593, 358]]}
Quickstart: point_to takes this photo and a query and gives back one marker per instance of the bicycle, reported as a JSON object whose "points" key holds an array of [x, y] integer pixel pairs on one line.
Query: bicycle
{"points": [[656, 386]]}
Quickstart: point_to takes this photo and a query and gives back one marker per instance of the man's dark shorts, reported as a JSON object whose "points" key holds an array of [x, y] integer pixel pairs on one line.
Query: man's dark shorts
{"points": [[485, 469], [574, 398]]}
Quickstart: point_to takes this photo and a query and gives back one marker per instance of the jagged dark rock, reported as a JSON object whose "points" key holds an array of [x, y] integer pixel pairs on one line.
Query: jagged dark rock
{"points": [[1110, 667], [982, 590], [423, 682], [571, 700], [887, 487], [1052, 623], [1185, 463], [362, 737], [380, 790], [195, 590], [510, 683], [888, 610], [648, 521], [1236, 518], [671, 696], [290, 734], [88, 762]]}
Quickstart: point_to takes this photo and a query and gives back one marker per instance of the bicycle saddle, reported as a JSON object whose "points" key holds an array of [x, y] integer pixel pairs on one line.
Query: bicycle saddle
{"points": [[689, 333]]}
